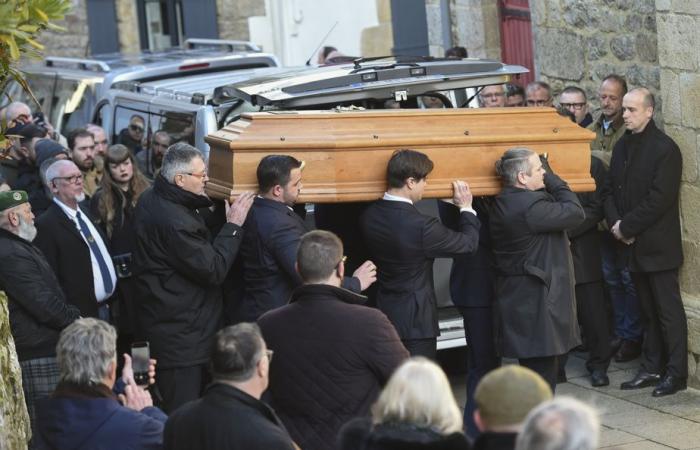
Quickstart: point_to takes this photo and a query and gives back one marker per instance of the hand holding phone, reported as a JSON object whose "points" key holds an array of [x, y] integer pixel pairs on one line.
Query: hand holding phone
{"points": [[140, 360]]}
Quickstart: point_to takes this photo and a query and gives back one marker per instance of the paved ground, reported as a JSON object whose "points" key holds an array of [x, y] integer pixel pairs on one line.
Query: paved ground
{"points": [[632, 420]]}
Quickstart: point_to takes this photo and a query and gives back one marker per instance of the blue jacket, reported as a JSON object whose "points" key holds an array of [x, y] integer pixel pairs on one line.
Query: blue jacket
{"points": [[72, 423]]}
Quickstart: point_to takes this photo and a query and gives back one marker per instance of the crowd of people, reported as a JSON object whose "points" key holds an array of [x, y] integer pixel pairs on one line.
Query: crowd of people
{"points": [[127, 246]]}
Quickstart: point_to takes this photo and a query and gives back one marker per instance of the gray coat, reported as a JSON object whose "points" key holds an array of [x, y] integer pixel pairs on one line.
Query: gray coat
{"points": [[535, 302]]}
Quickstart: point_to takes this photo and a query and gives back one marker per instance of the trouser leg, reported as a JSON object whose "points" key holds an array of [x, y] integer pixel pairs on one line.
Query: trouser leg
{"points": [[590, 303], [546, 366], [422, 347], [653, 358], [673, 324], [180, 385]]}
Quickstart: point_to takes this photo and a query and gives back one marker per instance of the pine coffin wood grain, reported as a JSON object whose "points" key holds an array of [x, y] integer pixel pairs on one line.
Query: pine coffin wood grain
{"points": [[346, 153]]}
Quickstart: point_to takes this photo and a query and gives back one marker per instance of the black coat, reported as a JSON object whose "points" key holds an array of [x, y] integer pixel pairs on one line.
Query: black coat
{"points": [[642, 191], [178, 274], [359, 434], [404, 243], [332, 357], [225, 418], [69, 257], [38, 307], [585, 238], [490, 440], [535, 301], [269, 252]]}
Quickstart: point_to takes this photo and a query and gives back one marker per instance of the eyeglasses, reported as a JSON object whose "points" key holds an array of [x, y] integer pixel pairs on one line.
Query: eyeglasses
{"points": [[576, 106], [269, 354], [136, 128], [198, 175], [73, 179], [538, 102]]}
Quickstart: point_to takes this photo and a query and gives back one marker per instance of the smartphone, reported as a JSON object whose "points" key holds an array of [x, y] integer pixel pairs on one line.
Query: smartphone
{"points": [[140, 358]]}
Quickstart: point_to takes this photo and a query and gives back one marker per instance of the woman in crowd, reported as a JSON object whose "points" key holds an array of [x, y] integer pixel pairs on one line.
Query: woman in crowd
{"points": [[416, 410], [113, 209]]}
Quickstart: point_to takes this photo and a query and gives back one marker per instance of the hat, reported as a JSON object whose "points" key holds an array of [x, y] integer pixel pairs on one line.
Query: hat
{"points": [[47, 148], [16, 129], [506, 395], [10, 199]]}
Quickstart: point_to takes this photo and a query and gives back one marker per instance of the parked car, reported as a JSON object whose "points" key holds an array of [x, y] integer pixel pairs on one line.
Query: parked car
{"points": [[68, 89]]}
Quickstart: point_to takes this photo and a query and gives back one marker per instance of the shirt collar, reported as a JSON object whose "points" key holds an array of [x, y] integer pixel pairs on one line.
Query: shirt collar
{"points": [[396, 198], [70, 212]]}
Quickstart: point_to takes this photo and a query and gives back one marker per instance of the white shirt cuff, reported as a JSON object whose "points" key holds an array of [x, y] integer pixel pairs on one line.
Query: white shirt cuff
{"points": [[469, 210]]}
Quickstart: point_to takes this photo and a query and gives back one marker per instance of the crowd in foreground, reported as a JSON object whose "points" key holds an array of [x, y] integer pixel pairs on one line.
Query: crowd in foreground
{"points": [[164, 263]]}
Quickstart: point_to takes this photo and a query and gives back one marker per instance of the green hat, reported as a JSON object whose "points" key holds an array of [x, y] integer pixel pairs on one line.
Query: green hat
{"points": [[10, 199], [506, 395]]}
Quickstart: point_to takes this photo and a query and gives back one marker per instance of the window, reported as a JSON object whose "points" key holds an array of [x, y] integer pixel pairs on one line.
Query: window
{"points": [[161, 24]]}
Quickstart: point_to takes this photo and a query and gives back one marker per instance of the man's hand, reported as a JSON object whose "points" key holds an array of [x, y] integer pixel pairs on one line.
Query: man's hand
{"points": [[135, 398], [615, 230], [128, 371], [367, 274], [462, 196], [237, 211]]}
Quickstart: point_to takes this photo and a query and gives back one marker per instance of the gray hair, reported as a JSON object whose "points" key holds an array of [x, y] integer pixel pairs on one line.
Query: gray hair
{"points": [[563, 423], [54, 170], [11, 111], [85, 350], [236, 352], [513, 161], [178, 159]]}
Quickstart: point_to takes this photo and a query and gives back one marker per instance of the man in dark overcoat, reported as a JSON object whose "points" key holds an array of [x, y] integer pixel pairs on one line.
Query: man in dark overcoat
{"points": [[333, 354], [179, 270], [641, 207], [404, 243], [535, 301]]}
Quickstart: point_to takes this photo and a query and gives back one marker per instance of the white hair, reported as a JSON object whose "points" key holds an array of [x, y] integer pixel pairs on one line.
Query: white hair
{"points": [[12, 110], [563, 423], [54, 170], [85, 350]]}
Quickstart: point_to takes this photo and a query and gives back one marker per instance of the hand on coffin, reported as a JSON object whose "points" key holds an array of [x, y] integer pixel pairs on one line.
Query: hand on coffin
{"points": [[237, 211], [367, 274], [462, 196]]}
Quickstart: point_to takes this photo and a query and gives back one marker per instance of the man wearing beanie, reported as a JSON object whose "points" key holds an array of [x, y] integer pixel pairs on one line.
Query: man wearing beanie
{"points": [[37, 305], [503, 399]]}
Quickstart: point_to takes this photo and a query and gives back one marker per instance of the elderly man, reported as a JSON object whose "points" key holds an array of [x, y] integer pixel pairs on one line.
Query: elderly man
{"points": [[81, 148], [179, 271], [538, 93], [504, 398], [73, 245], [38, 307], [83, 412], [18, 113], [493, 96], [149, 161], [101, 140], [574, 100], [273, 231], [641, 207], [563, 423], [405, 243], [535, 300], [230, 415], [327, 369]]}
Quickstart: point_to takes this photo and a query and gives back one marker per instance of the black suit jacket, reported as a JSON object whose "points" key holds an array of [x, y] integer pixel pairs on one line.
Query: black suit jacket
{"points": [[404, 243], [642, 191], [69, 257], [269, 252]]}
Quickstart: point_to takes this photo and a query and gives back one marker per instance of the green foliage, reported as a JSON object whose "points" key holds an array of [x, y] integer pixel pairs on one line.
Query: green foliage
{"points": [[21, 23]]}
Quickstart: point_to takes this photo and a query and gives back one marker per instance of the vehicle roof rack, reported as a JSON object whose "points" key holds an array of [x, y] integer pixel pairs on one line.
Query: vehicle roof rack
{"points": [[195, 98], [231, 45], [77, 63]]}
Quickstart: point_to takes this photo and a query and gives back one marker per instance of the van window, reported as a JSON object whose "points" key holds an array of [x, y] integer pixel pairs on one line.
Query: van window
{"points": [[130, 128], [42, 86], [74, 101], [180, 125]]}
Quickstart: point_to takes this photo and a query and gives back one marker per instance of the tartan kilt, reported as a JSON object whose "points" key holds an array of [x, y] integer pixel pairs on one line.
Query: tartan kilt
{"points": [[39, 379]]}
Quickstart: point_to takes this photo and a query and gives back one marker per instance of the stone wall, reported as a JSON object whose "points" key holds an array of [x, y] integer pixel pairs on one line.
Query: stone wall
{"points": [[475, 26], [233, 17], [679, 62], [379, 40], [579, 42], [74, 40]]}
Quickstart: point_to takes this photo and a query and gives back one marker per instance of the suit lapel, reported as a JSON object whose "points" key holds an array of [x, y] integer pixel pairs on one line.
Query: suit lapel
{"points": [[64, 221]]}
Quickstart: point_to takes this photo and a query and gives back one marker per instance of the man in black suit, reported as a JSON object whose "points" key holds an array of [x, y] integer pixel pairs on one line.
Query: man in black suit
{"points": [[272, 234], [641, 207], [404, 243], [73, 245]]}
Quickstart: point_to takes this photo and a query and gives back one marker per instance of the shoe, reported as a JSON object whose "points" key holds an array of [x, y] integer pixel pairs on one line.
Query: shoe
{"points": [[669, 385], [599, 378], [641, 380], [628, 351]]}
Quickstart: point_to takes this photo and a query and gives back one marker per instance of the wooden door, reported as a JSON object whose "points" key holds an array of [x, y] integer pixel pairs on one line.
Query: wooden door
{"points": [[516, 36]]}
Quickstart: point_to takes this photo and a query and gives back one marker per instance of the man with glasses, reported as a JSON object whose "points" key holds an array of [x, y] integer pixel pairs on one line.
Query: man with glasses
{"points": [[132, 135], [493, 96], [317, 341], [149, 161], [73, 245], [538, 93], [574, 100], [81, 148], [179, 270]]}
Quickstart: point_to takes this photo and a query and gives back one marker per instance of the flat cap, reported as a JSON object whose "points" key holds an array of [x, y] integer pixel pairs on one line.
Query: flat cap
{"points": [[10, 199]]}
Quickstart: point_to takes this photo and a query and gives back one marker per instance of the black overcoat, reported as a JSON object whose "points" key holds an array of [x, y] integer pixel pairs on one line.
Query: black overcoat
{"points": [[642, 191], [535, 301]]}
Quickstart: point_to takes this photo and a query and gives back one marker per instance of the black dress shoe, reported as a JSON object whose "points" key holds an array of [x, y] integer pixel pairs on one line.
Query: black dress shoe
{"points": [[669, 385], [599, 378], [641, 380], [628, 351]]}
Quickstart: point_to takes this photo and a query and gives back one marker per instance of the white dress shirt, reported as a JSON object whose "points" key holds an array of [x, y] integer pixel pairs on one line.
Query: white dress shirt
{"points": [[396, 198]]}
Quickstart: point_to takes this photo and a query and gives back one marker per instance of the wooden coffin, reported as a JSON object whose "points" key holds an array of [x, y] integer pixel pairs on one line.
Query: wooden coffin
{"points": [[346, 152]]}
